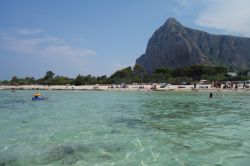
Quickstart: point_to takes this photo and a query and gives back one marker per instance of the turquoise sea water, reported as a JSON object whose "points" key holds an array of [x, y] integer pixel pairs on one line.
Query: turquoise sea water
{"points": [[124, 128]]}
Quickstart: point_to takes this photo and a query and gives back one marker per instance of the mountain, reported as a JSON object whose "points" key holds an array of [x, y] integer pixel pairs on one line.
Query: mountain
{"points": [[174, 45]]}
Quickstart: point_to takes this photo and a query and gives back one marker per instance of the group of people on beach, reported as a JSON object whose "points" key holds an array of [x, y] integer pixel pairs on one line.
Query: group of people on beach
{"points": [[230, 85]]}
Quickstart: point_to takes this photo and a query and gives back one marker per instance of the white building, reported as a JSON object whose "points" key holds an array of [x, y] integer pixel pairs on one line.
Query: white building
{"points": [[232, 74]]}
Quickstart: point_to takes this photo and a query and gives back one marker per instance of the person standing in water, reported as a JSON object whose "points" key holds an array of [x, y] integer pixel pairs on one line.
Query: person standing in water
{"points": [[211, 95], [236, 87]]}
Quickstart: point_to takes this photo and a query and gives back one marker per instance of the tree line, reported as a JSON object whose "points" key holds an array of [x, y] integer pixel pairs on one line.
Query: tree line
{"points": [[137, 74]]}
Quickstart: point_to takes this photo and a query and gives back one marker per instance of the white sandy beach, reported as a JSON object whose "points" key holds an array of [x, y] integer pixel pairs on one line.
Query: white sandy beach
{"points": [[134, 87]]}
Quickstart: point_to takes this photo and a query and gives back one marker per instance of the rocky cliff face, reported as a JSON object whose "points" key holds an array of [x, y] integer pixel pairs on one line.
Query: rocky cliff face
{"points": [[174, 45]]}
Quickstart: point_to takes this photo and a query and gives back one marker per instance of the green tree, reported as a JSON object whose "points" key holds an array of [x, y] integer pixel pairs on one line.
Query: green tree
{"points": [[4, 82], [79, 80], [14, 80], [60, 80], [49, 75], [29, 80], [122, 76], [179, 72], [195, 71], [123, 73], [163, 71], [138, 73]]}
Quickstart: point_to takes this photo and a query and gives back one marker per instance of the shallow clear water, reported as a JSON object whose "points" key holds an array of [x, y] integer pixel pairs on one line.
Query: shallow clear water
{"points": [[124, 128]]}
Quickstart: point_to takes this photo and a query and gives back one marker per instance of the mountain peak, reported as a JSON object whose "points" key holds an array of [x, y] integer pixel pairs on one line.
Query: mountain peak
{"points": [[173, 45], [172, 21]]}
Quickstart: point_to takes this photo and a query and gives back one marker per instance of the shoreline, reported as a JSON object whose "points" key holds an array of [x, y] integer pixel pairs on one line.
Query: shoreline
{"points": [[145, 87]]}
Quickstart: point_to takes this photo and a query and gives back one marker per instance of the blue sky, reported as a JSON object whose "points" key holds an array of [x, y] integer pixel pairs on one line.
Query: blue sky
{"points": [[98, 37]]}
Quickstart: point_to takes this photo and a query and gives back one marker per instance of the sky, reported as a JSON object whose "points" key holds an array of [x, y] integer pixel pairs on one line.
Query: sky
{"points": [[71, 37]]}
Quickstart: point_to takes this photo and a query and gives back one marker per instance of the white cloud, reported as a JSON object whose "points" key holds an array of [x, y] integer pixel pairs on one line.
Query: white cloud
{"points": [[29, 31], [42, 45], [184, 3], [66, 50], [233, 16]]}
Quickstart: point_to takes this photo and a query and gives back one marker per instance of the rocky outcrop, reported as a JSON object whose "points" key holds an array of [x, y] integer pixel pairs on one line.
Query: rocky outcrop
{"points": [[174, 45]]}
